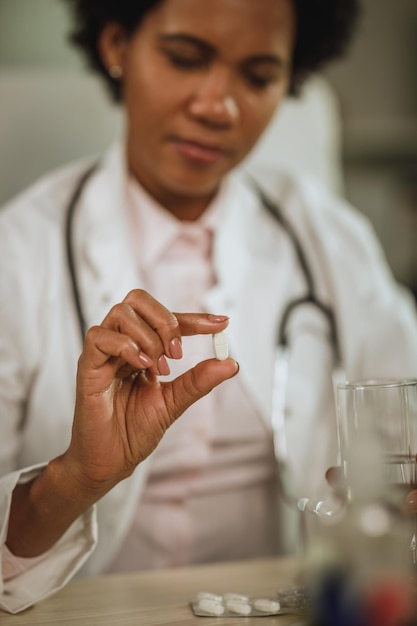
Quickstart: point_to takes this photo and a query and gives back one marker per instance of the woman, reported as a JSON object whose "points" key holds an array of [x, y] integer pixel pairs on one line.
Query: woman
{"points": [[164, 219]]}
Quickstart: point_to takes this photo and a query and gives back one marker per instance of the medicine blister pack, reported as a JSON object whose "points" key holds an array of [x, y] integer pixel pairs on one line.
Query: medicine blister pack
{"points": [[207, 604]]}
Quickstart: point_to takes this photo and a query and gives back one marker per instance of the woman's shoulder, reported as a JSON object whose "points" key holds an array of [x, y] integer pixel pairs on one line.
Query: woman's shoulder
{"points": [[337, 238], [33, 221], [309, 205], [47, 196]]}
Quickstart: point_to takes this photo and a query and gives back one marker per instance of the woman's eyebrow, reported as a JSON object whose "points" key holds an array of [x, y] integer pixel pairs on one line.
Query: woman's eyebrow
{"points": [[188, 39], [204, 46], [269, 59]]}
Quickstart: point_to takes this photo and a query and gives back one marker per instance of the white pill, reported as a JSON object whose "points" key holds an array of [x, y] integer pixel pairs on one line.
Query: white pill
{"points": [[240, 597], [220, 346], [207, 595], [266, 605], [236, 606], [211, 607]]}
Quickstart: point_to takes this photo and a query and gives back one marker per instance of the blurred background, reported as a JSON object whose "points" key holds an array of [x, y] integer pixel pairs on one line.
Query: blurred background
{"points": [[52, 110]]}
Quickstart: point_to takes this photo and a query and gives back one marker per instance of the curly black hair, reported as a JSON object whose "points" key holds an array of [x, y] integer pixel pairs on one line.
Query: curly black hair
{"points": [[324, 31]]}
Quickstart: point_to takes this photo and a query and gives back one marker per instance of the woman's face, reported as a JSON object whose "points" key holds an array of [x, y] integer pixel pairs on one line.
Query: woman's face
{"points": [[201, 80]]}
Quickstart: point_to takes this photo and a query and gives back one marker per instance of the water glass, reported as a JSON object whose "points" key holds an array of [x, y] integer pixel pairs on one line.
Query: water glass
{"points": [[377, 421]]}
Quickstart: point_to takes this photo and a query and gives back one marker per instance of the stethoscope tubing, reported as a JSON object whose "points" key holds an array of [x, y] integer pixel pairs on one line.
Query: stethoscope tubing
{"points": [[69, 246], [309, 298]]}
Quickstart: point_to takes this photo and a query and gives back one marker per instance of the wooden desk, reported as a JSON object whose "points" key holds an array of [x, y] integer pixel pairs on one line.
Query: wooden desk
{"points": [[160, 598]]}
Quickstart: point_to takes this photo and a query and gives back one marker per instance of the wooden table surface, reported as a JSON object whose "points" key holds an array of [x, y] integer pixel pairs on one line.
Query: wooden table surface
{"points": [[160, 598]]}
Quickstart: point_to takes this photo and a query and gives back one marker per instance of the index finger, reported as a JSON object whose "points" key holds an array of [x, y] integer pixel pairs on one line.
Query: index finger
{"points": [[169, 326], [201, 323]]}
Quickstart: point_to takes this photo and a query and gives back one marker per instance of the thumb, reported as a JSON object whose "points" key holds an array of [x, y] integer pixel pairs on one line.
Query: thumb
{"points": [[199, 381]]}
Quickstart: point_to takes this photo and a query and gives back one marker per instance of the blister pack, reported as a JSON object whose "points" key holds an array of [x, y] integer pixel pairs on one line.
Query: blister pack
{"points": [[288, 600]]}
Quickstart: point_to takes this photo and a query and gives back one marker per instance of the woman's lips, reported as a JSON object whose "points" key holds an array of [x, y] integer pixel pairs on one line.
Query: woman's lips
{"points": [[198, 152]]}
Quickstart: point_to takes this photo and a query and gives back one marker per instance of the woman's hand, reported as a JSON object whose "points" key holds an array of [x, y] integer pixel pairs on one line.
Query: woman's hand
{"points": [[411, 503], [122, 408], [122, 411]]}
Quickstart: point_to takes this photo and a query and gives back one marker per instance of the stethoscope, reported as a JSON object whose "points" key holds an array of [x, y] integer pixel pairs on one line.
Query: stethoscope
{"points": [[282, 350], [282, 358], [281, 361], [309, 298]]}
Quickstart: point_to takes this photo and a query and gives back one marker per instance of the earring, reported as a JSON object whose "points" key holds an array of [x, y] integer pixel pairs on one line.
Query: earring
{"points": [[115, 71]]}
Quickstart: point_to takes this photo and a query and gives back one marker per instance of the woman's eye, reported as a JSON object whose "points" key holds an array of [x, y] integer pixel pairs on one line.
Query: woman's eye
{"points": [[260, 82], [185, 62]]}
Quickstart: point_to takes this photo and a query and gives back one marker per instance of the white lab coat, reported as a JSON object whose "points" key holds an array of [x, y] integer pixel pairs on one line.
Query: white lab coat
{"points": [[257, 276]]}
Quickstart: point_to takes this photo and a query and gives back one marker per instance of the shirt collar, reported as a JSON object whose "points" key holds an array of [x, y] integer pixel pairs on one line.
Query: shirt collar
{"points": [[154, 229]]}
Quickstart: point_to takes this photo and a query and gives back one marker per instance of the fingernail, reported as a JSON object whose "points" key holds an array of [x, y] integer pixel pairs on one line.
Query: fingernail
{"points": [[175, 348], [412, 499], [145, 359], [163, 367], [218, 318]]}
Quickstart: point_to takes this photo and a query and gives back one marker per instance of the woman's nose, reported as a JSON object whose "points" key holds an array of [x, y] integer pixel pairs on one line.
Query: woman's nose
{"points": [[214, 103]]}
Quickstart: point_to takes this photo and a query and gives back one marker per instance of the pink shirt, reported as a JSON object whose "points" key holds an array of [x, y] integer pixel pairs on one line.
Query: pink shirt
{"points": [[210, 495]]}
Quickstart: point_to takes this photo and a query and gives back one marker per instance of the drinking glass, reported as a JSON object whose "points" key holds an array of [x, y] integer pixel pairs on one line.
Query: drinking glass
{"points": [[377, 421]]}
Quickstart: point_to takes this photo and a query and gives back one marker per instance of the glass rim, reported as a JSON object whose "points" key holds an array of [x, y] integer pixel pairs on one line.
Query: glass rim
{"points": [[373, 383]]}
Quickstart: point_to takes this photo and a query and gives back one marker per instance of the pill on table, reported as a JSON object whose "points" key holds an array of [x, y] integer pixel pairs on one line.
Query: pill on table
{"points": [[210, 606], [240, 597], [207, 595], [220, 346], [239, 607], [266, 605]]}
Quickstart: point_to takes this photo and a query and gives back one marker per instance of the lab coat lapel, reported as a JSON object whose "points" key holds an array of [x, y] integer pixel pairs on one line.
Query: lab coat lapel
{"points": [[251, 259], [259, 275], [103, 247]]}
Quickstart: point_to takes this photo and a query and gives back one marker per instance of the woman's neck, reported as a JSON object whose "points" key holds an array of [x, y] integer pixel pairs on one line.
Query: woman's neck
{"points": [[186, 205], [185, 208]]}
